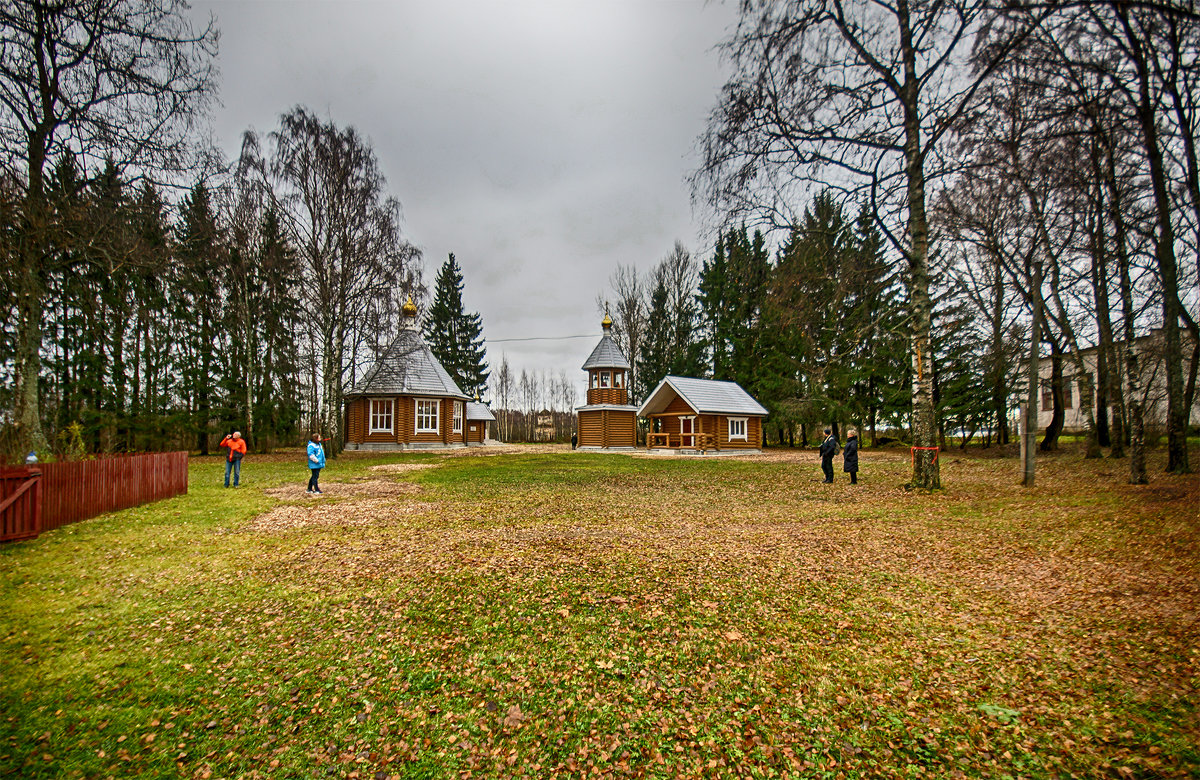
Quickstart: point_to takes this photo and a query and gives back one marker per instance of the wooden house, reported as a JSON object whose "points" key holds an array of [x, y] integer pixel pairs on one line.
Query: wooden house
{"points": [[478, 417], [407, 400], [607, 421], [703, 415]]}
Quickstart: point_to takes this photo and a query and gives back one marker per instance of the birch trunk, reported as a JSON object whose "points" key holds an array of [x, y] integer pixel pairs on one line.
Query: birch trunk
{"points": [[926, 473]]}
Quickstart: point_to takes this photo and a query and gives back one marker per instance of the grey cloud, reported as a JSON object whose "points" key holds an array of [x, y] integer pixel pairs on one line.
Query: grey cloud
{"points": [[542, 142]]}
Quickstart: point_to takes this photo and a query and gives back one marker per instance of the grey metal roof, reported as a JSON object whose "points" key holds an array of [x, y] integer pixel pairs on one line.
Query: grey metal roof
{"points": [[606, 355], [408, 367], [705, 396], [478, 411]]}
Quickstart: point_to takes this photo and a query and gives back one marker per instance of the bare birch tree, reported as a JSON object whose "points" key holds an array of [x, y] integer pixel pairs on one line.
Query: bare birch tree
{"points": [[860, 95], [332, 198]]}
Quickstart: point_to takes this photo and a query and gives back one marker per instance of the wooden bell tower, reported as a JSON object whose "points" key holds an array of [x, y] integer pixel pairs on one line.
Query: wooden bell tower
{"points": [[607, 421]]}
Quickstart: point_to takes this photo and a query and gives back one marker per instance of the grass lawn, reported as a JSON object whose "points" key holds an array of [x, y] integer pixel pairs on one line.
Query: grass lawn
{"points": [[555, 613]]}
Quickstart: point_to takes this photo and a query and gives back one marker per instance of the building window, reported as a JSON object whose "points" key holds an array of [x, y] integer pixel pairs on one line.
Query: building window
{"points": [[458, 416], [1067, 395], [381, 415], [1047, 397], [595, 379], [619, 379], [605, 379], [427, 416], [737, 428]]}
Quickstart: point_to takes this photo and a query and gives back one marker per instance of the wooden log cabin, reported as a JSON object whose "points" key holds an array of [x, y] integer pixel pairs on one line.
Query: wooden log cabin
{"points": [[607, 421], [407, 400], [703, 415]]}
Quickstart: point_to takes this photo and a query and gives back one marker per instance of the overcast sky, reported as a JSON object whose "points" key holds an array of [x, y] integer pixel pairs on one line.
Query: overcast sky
{"points": [[543, 143]]}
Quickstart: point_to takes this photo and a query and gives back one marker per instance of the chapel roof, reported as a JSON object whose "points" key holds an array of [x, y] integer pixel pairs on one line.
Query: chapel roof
{"points": [[704, 396], [407, 367]]}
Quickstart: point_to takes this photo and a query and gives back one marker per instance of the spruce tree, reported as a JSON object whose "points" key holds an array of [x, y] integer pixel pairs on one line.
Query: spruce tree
{"points": [[654, 358], [672, 344], [454, 336], [198, 302]]}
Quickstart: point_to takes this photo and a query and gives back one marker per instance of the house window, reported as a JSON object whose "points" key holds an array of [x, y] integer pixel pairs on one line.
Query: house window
{"points": [[595, 379], [619, 379], [427, 416], [737, 428], [381, 415], [1048, 396], [458, 416], [605, 378]]}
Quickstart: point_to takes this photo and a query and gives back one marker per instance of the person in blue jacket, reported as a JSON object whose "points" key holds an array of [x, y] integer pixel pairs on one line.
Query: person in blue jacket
{"points": [[316, 462]]}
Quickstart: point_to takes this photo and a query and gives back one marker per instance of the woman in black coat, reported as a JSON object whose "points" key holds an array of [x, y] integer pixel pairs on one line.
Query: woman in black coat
{"points": [[850, 456]]}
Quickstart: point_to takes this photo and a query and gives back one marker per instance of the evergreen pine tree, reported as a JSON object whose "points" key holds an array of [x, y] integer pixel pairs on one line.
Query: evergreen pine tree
{"points": [[654, 358], [670, 345], [834, 310], [713, 296], [198, 310], [278, 394], [455, 337], [153, 378]]}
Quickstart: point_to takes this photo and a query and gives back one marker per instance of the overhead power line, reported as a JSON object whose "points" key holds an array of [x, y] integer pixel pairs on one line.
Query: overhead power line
{"points": [[542, 338]]}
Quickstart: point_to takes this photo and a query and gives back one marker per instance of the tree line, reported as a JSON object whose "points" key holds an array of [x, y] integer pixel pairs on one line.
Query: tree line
{"points": [[532, 405], [1032, 171], [810, 328], [132, 322]]}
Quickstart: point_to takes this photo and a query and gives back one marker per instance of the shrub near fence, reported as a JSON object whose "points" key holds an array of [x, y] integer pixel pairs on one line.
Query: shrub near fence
{"points": [[77, 490]]}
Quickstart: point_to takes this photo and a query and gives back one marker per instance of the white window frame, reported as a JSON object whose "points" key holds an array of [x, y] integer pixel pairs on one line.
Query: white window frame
{"points": [[418, 414], [458, 416], [372, 415], [618, 379], [605, 380], [745, 425], [595, 379]]}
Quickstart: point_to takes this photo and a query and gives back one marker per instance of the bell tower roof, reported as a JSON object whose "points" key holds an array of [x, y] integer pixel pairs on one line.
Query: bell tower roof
{"points": [[606, 354]]}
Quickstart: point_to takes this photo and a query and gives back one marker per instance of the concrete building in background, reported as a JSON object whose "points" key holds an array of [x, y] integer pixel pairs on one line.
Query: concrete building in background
{"points": [[1152, 371]]}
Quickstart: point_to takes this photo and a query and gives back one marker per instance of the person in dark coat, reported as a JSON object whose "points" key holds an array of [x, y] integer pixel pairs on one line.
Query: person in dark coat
{"points": [[829, 448], [850, 456]]}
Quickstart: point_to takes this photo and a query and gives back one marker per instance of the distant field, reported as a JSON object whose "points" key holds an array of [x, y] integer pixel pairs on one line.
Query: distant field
{"points": [[540, 612]]}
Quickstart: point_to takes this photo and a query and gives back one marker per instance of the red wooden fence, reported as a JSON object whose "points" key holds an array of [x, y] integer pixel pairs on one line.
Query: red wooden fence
{"points": [[77, 490], [20, 503]]}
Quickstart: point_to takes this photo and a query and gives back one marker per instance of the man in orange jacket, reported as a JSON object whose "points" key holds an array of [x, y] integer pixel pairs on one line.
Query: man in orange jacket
{"points": [[237, 450]]}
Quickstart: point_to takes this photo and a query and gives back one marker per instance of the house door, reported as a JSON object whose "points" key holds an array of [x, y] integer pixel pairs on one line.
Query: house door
{"points": [[687, 432]]}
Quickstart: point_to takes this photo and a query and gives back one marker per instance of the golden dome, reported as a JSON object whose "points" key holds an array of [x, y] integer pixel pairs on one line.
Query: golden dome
{"points": [[409, 308], [607, 321]]}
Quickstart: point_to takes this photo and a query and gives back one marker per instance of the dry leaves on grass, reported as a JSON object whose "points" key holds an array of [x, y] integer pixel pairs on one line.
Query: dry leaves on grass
{"points": [[376, 488], [402, 468], [351, 513], [370, 501], [724, 619], [506, 449]]}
